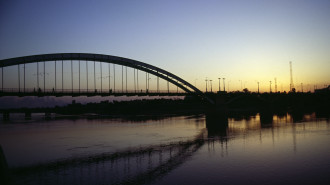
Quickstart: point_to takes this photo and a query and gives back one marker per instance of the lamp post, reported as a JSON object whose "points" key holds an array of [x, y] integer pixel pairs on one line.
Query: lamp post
{"points": [[270, 86], [211, 84], [224, 84], [258, 87], [219, 84], [206, 85]]}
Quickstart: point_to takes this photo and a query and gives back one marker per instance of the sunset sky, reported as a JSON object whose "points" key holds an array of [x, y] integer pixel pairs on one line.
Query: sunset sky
{"points": [[242, 40]]}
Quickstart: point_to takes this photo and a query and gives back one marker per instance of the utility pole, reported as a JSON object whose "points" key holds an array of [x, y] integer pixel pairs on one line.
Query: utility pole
{"points": [[258, 87], [206, 85], [224, 84], [292, 89], [275, 85], [211, 84], [219, 83], [270, 86]]}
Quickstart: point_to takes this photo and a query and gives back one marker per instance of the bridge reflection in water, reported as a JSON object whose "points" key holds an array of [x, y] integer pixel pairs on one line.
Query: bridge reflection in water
{"points": [[134, 166], [142, 165]]}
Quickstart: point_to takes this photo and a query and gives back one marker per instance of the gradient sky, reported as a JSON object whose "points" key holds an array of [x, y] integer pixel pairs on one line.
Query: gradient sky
{"points": [[240, 40]]}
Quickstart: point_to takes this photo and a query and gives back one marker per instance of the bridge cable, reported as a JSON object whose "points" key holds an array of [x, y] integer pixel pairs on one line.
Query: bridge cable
{"points": [[71, 76], [101, 74], [109, 77], [87, 75], [114, 78], [38, 75], [137, 79], [79, 74], [62, 78], [44, 76], [24, 77], [19, 80], [126, 77], [94, 78], [55, 75]]}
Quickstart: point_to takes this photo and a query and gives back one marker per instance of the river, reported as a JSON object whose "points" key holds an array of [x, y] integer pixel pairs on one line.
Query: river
{"points": [[194, 149]]}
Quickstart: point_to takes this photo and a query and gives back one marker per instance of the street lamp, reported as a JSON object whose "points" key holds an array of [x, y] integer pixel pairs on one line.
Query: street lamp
{"points": [[206, 85], [219, 84], [224, 87], [211, 84], [258, 87], [270, 86]]}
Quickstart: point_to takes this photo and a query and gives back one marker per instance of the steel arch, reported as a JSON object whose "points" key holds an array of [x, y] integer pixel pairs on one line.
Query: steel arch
{"points": [[184, 85]]}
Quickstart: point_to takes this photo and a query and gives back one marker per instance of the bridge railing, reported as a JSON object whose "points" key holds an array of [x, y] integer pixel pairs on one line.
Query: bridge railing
{"points": [[87, 91]]}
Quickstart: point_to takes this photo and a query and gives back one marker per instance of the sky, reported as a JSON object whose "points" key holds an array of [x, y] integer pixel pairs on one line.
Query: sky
{"points": [[243, 41]]}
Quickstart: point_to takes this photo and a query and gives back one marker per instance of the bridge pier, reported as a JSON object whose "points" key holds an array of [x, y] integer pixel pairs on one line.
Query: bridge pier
{"points": [[216, 124], [220, 99]]}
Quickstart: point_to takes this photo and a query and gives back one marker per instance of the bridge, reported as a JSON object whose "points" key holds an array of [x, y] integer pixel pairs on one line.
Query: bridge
{"points": [[76, 74]]}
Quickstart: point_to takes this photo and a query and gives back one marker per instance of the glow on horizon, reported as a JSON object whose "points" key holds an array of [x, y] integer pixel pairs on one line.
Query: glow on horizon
{"points": [[246, 41]]}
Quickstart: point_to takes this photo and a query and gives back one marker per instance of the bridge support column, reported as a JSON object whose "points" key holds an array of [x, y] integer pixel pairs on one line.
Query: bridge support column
{"points": [[216, 124], [220, 100]]}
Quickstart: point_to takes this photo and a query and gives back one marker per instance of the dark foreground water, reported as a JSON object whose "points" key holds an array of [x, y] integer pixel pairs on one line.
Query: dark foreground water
{"points": [[241, 149]]}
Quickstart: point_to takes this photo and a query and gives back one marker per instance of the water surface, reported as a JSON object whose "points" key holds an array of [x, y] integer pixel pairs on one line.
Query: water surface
{"points": [[199, 149]]}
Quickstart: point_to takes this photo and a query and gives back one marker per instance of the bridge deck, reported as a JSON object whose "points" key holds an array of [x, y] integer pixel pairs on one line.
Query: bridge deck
{"points": [[83, 92]]}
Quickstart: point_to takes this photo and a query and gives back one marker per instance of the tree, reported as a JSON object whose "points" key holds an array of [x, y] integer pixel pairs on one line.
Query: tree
{"points": [[246, 90]]}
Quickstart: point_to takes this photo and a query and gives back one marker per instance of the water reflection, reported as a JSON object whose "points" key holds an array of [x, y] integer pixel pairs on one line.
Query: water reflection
{"points": [[262, 134], [135, 166]]}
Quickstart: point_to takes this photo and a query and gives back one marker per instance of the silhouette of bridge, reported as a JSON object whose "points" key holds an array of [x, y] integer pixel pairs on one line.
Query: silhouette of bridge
{"points": [[57, 82]]}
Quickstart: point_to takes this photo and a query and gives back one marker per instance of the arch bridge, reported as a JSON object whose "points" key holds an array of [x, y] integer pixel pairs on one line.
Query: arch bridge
{"points": [[86, 58]]}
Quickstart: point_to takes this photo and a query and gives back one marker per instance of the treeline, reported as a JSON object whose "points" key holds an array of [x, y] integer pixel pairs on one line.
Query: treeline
{"points": [[154, 106], [229, 102]]}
